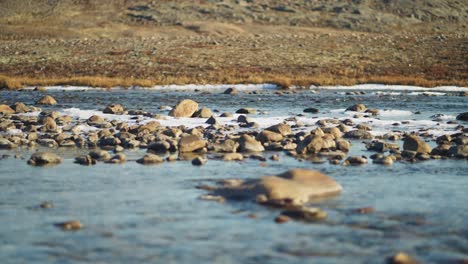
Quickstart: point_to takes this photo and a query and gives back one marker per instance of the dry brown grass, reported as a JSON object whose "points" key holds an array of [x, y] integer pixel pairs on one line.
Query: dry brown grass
{"points": [[284, 81]]}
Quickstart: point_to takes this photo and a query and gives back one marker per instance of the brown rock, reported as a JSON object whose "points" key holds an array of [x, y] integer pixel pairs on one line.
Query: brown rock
{"points": [[185, 108], [233, 157], [116, 109], [47, 100], [357, 108], [44, 158], [6, 109], [191, 143], [249, 144], [203, 113], [70, 225], [401, 258], [414, 143], [282, 129], [150, 159], [269, 136], [310, 144]]}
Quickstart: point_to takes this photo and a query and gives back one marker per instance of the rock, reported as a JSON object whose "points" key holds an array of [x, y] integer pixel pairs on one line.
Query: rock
{"points": [[249, 144], [441, 150], [269, 136], [355, 161], [275, 157], [388, 160], [462, 116], [282, 129], [280, 219], [6, 144], [49, 124], [230, 91], [408, 154], [233, 157], [85, 160], [116, 109], [373, 112], [95, 119], [460, 151], [401, 258], [117, 159], [311, 110], [357, 108], [20, 107], [191, 143], [46, 205], [185, 108], [380, 146], [150, 159], [358, 134], [212, 121], [306, 214], [246, 111], [226, 115], [159, 147], [100, 155], [334, 131], [414, 143], [47, 142], [44, 158], [310, 144], [258, 157], [228, 145], [203, 113], [6, 109], [243, 119], [70, 225], [294, 187], [47, 100], [199, 161], [343, 145]]}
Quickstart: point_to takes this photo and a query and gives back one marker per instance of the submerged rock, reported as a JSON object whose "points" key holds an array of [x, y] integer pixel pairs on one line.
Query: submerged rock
{"points": [[199, 161], [185, 108], [294, 187], [85, 160], [44, 158], [305, 214], [401, 258], [70, 225], [150, 159]]}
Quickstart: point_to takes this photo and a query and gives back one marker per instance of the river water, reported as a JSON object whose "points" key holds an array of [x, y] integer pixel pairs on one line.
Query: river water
{"points": [[152, 214]]}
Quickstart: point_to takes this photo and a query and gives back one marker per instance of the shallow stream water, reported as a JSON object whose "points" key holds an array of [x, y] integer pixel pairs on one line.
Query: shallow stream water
{"points": [[152, 214]]}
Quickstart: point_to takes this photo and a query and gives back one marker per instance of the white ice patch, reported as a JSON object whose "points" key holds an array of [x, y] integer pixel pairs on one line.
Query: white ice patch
{"points": [[392, 113], [387, 88]]}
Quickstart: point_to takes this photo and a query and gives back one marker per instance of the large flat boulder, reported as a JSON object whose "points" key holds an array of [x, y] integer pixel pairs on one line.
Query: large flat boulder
{"points": [[294, 187]]}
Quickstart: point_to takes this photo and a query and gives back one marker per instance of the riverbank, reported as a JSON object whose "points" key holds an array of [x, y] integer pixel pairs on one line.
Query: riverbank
{"points": [[282, 55]]}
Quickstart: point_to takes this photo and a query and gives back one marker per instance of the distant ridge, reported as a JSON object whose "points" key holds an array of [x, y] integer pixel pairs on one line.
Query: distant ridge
{"points": [[363, 15]]}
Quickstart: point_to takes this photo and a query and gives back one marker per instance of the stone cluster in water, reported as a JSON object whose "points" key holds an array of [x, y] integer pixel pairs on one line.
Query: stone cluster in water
{"points": [[291, 191]]}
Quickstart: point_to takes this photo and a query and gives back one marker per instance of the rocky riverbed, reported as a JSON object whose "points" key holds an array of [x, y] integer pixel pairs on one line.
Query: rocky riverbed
{"points": [[331, 161]]}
